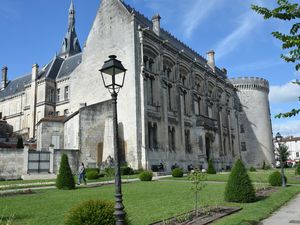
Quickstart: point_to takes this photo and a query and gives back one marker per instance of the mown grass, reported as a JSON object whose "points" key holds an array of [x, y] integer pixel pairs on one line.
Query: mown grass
{"points": [[260, 176], [5, 185], [145, 202]]}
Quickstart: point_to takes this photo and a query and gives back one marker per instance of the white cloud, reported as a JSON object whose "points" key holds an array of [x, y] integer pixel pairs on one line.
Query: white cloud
{"points": [[246, 25], [196, 13], [289, 128], [285, 93]]}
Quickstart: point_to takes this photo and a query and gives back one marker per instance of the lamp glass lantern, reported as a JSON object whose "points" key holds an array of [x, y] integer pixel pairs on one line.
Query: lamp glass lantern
{"points": [[113, 74]]}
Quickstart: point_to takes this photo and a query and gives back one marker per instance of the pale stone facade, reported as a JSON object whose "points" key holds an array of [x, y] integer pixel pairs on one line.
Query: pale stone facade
{"points": [[175, 107], [255, 122]]}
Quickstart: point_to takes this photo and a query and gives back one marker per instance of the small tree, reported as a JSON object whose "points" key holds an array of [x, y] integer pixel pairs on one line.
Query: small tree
{"points": [[282, 154], [239, 187], [20, 143], [297, 171], [197, 178], [211, 169], [65, 179]]}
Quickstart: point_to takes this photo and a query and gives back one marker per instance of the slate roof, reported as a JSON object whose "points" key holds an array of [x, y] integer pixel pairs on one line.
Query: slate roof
{"points": [[172, 39], [57, 68], [15, 86], [69, 65]]}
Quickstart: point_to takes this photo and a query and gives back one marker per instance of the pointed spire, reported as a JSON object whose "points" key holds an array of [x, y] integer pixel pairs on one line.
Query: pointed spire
{"points": [[71, 21], [70, 45]]}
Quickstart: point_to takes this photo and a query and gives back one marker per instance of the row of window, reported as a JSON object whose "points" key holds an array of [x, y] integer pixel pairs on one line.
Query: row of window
{"points": [[57, 113], [57, 97], [153, 143]]}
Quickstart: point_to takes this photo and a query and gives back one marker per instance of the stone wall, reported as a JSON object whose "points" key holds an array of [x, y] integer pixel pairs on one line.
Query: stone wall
{"points": [[73, 156], [95, 144], [11, 163], [49, 133]]}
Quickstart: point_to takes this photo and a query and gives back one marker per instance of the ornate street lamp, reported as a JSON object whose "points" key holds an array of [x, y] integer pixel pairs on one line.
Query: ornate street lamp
{"points": [[113, 76], [278, 138]]}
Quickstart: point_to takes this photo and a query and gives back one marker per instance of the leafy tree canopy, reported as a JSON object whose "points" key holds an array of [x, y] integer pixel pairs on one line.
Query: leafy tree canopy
{"points": [[286, 10]]}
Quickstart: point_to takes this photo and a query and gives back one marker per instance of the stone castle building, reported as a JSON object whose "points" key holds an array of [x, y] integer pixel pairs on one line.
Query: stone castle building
{"points": [[175, 106]]}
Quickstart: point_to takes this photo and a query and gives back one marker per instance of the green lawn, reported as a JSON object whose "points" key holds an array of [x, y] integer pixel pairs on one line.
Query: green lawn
{"points": [[145, 202], [4, 185], [261, 176]]}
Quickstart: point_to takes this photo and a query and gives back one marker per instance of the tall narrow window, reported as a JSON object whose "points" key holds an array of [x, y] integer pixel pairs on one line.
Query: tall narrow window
{"points": [[151, 91], [152, 136], [171, 136], [66, 93], [169, 97], [184, 103], [243, 146], [242, 130], [188, 147], [58, 95]]}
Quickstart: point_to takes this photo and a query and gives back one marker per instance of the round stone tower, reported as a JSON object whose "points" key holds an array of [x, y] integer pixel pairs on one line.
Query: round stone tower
{"points": [[255, 129]]}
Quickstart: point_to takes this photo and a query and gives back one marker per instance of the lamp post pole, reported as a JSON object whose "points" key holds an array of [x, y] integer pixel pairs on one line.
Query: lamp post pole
{"points": [[279, 138], [119, 207], [111, 72]]}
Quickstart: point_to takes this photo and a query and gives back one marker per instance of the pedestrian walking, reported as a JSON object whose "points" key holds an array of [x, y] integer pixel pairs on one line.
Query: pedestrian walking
{"points": [[81, 174]]}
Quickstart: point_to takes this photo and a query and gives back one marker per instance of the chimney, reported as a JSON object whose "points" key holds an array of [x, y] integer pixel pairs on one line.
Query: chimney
{"points": [[35, 70], [211, 59], [4, 78], [156, 24]]}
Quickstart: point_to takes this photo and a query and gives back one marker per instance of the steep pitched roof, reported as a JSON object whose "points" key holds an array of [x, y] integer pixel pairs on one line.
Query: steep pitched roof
{"points": [[15, 86], [69, 65], [172, 39], [70, 45]]}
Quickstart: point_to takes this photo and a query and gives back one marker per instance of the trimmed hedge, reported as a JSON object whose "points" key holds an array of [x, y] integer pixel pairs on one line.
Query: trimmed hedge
{"points": [[146, 176], [239, 187], [126, 170], [275, 179], [87, 170], [20, 143], [177, 172], [92, 212], [92, 175], [211, 169], [65, 179], [252, 169]]}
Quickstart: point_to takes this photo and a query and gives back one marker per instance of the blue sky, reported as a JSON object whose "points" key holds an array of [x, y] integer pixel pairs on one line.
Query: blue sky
{"points": [[32, 32]]}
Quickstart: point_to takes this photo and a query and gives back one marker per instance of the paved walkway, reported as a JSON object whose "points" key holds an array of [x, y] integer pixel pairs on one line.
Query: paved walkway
{"points": [[288, 214]]}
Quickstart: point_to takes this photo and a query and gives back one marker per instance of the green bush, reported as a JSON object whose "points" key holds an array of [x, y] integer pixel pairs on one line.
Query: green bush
{"points": [[92, 212], [297, 171], [146, 176], [65, 179], [20, 143], [239, 187], [177, 172], [92, 175], [87, 170], [252, 169], [211, 169], [109, 172], [275, 179], [126, 170]]}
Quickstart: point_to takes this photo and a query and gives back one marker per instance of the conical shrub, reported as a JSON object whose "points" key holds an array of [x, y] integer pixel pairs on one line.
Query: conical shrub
{"points": [[20, 143], [239, 187], [297, 171], [211, 169], [65, 179]]}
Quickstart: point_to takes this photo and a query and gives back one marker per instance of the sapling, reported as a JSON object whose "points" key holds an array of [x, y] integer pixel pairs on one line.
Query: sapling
{"points": [[198, 183]]}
